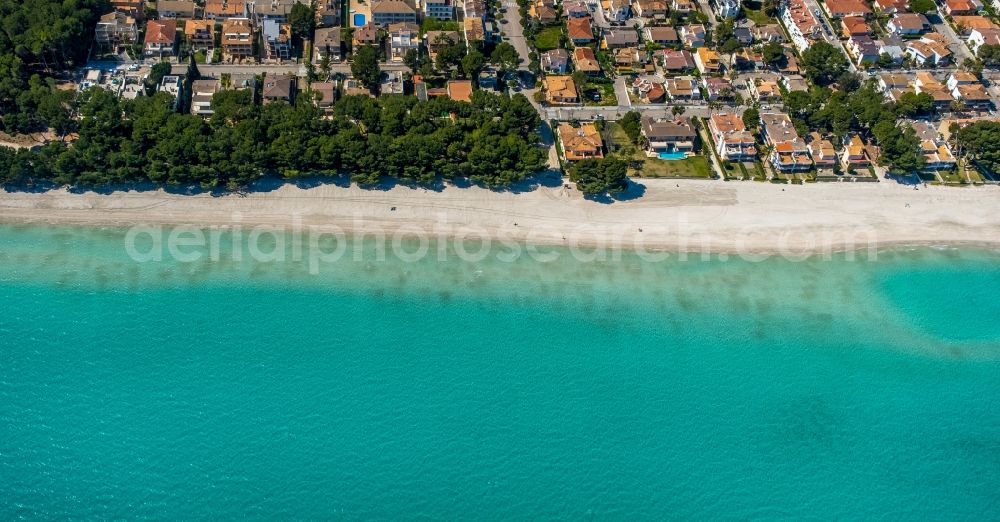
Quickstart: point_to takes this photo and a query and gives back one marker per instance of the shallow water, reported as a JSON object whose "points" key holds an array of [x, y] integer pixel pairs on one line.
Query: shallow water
{"points": [[822, 389]]}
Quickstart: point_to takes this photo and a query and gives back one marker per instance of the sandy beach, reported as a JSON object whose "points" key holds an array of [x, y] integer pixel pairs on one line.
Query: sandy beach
{"points": [[668, 215]]}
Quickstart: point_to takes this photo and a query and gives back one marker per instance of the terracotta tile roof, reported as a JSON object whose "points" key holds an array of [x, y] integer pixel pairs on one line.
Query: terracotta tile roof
{"points": [[161, 32], [582, 142], [585, 60], [579, 29]]}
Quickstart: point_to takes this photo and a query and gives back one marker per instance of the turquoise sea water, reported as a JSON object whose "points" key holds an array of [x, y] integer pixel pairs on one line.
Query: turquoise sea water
{"points": [[626, 389]]}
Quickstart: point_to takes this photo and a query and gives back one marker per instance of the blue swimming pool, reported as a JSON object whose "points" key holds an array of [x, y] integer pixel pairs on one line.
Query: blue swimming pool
{"points": [[359, 20], [672, 155]]}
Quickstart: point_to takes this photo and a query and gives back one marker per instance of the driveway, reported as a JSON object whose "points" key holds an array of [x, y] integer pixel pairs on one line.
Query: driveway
{"points": [[621, 91]]}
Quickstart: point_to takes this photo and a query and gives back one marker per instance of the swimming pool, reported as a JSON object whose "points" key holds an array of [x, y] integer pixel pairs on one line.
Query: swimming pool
{"points": [[672, 155], [359, 20]]}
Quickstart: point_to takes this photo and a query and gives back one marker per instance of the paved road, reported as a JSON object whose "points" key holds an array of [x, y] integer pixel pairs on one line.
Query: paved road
{"points": [[615, 113], [707, 9], [829, 32], [514, 33], [621, 91], [216, 69]]}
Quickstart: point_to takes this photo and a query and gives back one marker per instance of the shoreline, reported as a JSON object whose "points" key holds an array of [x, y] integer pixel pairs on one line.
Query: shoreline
{"points": [[669, 215]]}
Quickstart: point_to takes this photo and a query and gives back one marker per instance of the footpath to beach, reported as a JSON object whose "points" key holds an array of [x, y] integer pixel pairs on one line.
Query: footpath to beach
{"points": [[671, 215]]}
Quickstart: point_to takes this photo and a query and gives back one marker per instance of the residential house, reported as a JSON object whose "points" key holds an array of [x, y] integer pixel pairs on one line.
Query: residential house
{"points": [[980, 37], [561, 90], [682, 7], [460, 90], [748, 59], [727, 8], [324, 94], [693, 35], [962, 7], [945, 126], [161, 38], [581, 142], [675, 61], [661, 135], [240, 82], [966, 86], [964, 25], [790, 153], [893, 85], [892, 50], [326, 42], [935, 150], [628, 60], [931, 48], [200, 34], [224, 9], [474, 9], [732, 141], [823, 153], [854, 155], [717, 88], [662, 35], [973, 96], [707, 61], [585, 61], [133, 8], [957, 78], [648, 90], [925, 82], [764, 91], [842, 8], [403, 37], [854, 26], [575, 8], [768, 33], [579, 30], [618, 38], [114, 31], [682, 88], [171, 84], [618, 10], [439, 9], [794, 82], [650, 9], [385, 12], [328, 13], [365, 35], [473, 29], [277, 40], [864, 49], [555, 61], [354, 87], [801, 23], [437, 40], [175, 8], [274, 10], [937, 155], [892, 6], [202, 92], [743, 34], [237, 37], [391, 82], [544, 11], [279, 87], [908, 24], [791, 64]]}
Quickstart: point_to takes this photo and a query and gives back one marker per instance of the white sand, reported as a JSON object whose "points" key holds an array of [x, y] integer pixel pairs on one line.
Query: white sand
{"points": [[672, 215]]}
